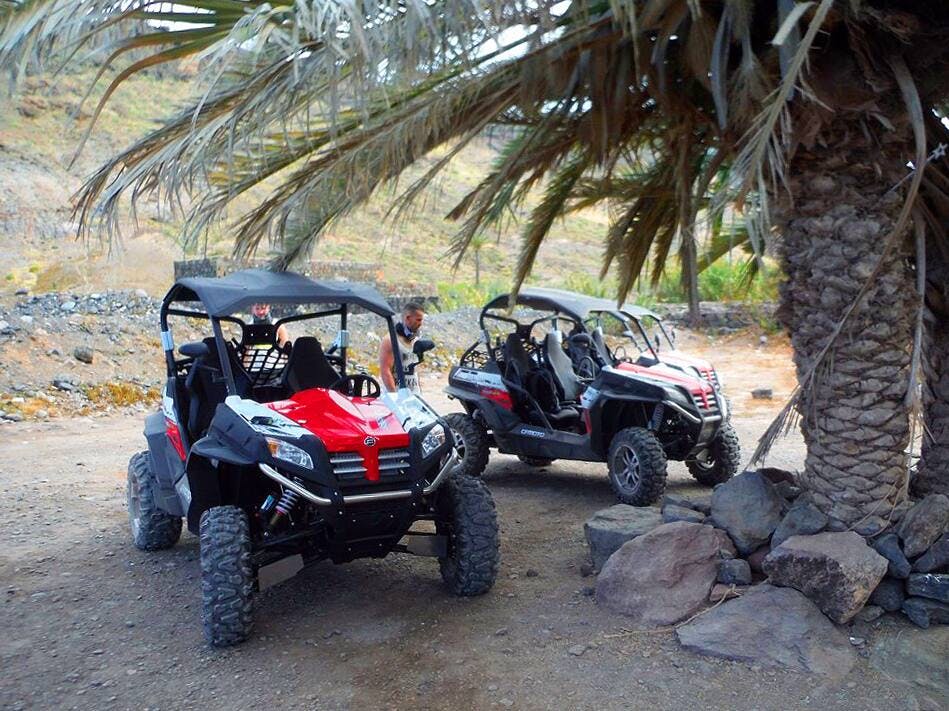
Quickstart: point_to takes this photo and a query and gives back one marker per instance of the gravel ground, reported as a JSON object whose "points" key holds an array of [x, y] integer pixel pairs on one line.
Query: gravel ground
{"points": [[92, 623]]}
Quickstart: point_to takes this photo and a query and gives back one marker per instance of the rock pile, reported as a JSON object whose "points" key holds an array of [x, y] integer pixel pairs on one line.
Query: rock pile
{"points": [[779, 581]]}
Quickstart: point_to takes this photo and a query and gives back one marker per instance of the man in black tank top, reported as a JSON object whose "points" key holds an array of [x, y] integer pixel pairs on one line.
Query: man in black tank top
{"points": [[407, 331], [261, 314]]}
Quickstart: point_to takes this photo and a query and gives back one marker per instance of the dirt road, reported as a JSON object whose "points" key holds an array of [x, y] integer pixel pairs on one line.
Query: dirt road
{"points": [[89, 622]]}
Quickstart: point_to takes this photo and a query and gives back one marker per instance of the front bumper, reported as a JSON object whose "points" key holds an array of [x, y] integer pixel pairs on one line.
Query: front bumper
{"points": [[375, 496]]}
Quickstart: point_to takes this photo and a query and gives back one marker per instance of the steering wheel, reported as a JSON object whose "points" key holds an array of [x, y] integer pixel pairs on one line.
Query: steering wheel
{"points": [[358, 385], [588, 368]]}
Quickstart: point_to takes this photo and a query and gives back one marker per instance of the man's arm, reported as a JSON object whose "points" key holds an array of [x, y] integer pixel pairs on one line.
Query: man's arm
{"points": [[386, 361], [283, 335]]}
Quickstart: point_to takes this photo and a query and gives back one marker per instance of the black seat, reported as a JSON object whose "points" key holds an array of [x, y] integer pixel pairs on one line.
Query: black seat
{"points": [[308, 366], [561, 368], [206, 389]]}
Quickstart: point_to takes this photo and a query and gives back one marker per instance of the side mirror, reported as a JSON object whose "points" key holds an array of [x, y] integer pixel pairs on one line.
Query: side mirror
{"points": [[422, 346], [198, 349]]}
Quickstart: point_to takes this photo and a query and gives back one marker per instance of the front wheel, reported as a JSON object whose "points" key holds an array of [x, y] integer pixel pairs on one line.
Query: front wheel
{"points": [[227, 575], [471, 443], [723, 458], [637, 466], [466, 514], [153, 529]]}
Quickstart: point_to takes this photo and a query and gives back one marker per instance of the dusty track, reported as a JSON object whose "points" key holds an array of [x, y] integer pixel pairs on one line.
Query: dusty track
{"points": [[89, 622]]}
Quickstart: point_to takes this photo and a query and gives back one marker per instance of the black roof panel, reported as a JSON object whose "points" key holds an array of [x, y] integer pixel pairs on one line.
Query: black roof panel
{"points": [[223, 296]]}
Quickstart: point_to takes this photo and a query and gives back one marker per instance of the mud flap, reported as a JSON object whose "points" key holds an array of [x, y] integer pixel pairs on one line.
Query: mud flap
{"points": [[279, 571]]}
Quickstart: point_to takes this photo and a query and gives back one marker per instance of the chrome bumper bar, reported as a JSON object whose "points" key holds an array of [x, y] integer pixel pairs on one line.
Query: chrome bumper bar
{"points": [[360, 498]]}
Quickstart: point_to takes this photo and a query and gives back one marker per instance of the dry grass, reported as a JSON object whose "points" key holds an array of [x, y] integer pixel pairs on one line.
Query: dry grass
{"points": [[120, 394]]}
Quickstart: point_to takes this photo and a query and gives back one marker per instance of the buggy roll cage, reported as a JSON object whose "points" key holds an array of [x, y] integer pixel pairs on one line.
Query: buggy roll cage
{"points": [[222, 297]]}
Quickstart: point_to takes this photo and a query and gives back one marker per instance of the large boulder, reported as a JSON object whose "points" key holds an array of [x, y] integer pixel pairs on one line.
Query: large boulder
{"points": [[672, 513], [936, 559], [889, 547], [838, 571], [914, 657], [749, 508], [923, 524], [804, 519], [771, 627], [663, 576], [610, 528]]}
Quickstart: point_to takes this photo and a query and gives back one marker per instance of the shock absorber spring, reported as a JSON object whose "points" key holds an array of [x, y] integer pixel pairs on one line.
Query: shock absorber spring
{"points": [[287, 501]]}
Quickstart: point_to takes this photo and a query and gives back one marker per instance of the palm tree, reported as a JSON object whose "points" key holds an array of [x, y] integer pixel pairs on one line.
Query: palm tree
{"points": [[805, 115]]}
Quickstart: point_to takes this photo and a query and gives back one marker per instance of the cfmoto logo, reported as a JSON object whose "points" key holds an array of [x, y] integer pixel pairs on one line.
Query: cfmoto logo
{"points": [[370, 441]]}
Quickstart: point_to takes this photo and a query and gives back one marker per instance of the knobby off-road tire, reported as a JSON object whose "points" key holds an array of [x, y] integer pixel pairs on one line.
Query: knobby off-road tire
{"points": [[467, 515], [724, 458], [471, 441], [152, 528], [535, 461], [227, 576], [637, 467]]}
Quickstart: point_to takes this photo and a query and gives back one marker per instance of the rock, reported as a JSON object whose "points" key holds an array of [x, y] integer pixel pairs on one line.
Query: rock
{"points": [[869, 613], [727, 592], [915, 657], [84, 354], [610, 528], [923, 524], [788, 491], [577, 650], [803, 519], [680, 513], [889, 547], [734, 572], [756, 558], [21, 292], [771, 627], [889, 594], [924, 612], [141, 293], [936, 559], [935, 586], [42, 415], [61, 384], [663, 576], [776, 476], [748, 508], [838, 571], [762, 393], [13, 417], [700, 503], [68, 306]]}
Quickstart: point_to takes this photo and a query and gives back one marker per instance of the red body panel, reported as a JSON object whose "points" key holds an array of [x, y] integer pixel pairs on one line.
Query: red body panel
{"points": [[693, 385], [346, 424]]}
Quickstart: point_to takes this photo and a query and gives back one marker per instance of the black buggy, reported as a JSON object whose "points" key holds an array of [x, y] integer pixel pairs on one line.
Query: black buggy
{"points": [[542, 384], [279, 457]]}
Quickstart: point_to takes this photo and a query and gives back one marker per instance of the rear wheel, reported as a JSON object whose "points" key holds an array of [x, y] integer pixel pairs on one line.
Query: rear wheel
{"points": [[723, 458], [466, 514], [535, 461], [637, 466], [227, 575], [153, 529], [471, 443]]}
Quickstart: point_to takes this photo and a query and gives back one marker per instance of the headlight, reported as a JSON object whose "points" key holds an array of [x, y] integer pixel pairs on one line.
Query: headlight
{"points": [[433, 440], [289, 453]]}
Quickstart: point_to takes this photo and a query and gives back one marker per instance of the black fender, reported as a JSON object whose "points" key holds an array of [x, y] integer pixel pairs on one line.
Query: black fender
{"points": [[165, 463], [496, 417], [204, 475]]}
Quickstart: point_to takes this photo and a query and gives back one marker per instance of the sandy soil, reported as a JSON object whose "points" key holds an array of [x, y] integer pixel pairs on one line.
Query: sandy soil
{"points": [[92, 623]]}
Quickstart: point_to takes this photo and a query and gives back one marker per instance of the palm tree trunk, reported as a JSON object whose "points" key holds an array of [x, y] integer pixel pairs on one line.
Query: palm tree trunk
{"points": [[854, 419], [932, 476]]}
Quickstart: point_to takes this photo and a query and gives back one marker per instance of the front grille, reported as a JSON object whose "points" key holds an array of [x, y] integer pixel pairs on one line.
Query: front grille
{"points": [[712, 377], [348, 466], [707, 407], [393, 463]]}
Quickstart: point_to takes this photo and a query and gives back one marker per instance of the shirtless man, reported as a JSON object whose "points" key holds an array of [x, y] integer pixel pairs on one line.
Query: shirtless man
{"points": [[407, 331]]}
